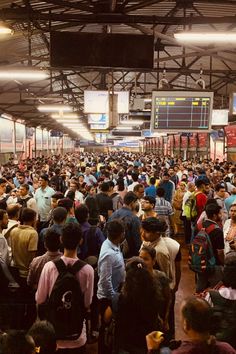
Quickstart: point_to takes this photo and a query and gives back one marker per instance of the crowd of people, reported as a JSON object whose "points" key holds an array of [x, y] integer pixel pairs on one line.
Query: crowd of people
{"points": [[91, 250]]}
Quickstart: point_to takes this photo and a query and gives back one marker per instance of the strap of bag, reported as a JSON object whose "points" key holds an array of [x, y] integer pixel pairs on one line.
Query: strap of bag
{"points": [[76, 267]]}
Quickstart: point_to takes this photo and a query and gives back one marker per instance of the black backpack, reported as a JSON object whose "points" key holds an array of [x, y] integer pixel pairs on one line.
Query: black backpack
{"points": [[23, 201], [224, 315], [65, 306]]}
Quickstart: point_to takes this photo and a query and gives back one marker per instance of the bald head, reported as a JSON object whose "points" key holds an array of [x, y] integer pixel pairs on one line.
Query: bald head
{"points": [[196, 314], [13, 211], [191, 187]]}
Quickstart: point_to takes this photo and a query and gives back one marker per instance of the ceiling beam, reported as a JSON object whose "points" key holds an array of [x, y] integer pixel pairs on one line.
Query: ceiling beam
{"points": [[110, 18]]}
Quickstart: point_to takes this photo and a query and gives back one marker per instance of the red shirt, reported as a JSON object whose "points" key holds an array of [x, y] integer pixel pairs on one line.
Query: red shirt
{"points": [[201, 200]]}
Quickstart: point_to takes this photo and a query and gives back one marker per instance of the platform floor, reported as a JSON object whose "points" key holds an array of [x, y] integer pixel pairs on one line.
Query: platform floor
{"points": [[186, 289]]}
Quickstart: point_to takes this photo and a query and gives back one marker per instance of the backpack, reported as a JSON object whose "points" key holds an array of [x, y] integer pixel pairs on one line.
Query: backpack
{"points": [[224, 314], [23, 201], [190, 206], [201, 255], [65, 306]]}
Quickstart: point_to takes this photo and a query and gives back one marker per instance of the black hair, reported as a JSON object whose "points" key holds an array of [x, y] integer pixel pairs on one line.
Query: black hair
{"points": [[44, 337], [71, 235], [199, 183], [129, 198], [13, 210], [229, 271], [82, 213], [212, 209], [28, 215], [58, 195], [197, 313], [2, 213], [44, 177], [105, 187], [150, 199], [66, 203], [160, 192], [120, 184], [17, 342], [150, 250], [71, 195], [52, 240], [219, 186], [152, 181], [154, 225], [115, 228], [134, 176], [138, 187], [59, 214], [26, 186]]}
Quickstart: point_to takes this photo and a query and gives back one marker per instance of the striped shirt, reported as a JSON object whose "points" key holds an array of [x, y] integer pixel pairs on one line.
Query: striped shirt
{"points": [[163, 207]]}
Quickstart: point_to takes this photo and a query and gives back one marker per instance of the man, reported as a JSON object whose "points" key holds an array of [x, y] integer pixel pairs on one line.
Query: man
{"points": [[92, 236], [24, 199], [24, 242], [58, 181], [104, 202], [132, 224], [220, 198], [111, 272], [168, 186], [200, 196], [152, 230], [186, 222], [71, 239], [139, 192], [148, 204], [54, 204], [151, 191], [13, 212], [74, 187], [134, 177], [52, 244], [173, 176], [89, 179], [43, 200], [59, 216], [196, 321], [68, 204], [5, 200], [164, 209], [212, 277]]}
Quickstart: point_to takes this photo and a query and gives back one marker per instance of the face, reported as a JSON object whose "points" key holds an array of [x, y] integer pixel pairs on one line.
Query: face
{"points": [[146, 205], [81, 179], [87, 171], [54, 202], [232, 213], [4, 222], [221, 193], [92, 191], [140, 193], [3, 188], [23, 191], [182, 186], [171, 171], [166, 178], [21, 179], [149, 262], [42, 182], [149, 236]]}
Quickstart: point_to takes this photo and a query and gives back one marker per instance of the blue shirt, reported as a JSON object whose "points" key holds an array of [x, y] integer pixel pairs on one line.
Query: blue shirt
{"points": [[229, 201], [151, 191], [111, 270], [94, 244]]}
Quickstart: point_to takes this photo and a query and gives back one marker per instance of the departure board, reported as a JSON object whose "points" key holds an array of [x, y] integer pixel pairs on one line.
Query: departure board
{"points": [[181, 111]]}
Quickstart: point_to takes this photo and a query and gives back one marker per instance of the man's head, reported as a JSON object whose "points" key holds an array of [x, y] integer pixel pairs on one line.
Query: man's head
{"points": [[55, 198], [171, 171], [28, 217], [87, 171], [229, 271], [130, 200], [24, 189], [160, 192], [148, 203], [152, 181], [21, 178], [115, 231], [82, 214], [105, 186], [59, 215], [52, 240], [3, 220], [152, 229], [16, 342], [71, 236], [213, 212], [232, 212], [44, 337], [166, 177], [139, 191], [43, 181], [68, 204], [200, 184], [196, 316], [73, 185], [13, 211], [3, 185], [220, 190], [134, 176]]}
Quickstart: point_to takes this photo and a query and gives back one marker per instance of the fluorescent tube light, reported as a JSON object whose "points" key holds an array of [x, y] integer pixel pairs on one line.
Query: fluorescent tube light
{"points": [[23, 74], [64, 115], [54, 108], [124, 128], [206, 37], [132, 122], [4, 29]]}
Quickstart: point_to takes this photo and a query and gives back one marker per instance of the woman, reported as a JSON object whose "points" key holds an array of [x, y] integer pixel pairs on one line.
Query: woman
{"points": [[229, 229], [82, 185], [136, 310], [177, 205], [120, 188], [148, 255]]}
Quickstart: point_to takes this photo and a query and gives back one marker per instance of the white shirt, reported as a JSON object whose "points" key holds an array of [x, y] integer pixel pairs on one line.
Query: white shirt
{"points": [[78, 196], [131, 186], [43, 200]]}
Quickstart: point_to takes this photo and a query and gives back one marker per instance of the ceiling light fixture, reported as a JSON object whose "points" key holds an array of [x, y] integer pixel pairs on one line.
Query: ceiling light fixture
{"points": [[124, 128], [206, 37], [23, 74], [132, 122], [54, 108], [64, 115]]}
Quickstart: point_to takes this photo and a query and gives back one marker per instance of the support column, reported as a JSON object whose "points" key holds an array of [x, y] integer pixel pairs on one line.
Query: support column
{"points": [[35, 143], [14, 139]]}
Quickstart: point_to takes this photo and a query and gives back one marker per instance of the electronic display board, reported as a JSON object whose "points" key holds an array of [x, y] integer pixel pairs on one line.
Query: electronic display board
{"points": [[181, 111]]}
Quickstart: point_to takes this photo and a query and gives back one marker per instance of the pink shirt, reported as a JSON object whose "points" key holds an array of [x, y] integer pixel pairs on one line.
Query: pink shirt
{"points": [[46, 282]]}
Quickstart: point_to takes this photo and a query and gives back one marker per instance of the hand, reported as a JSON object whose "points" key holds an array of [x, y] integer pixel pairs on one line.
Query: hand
{"points": [[154, 340]]}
